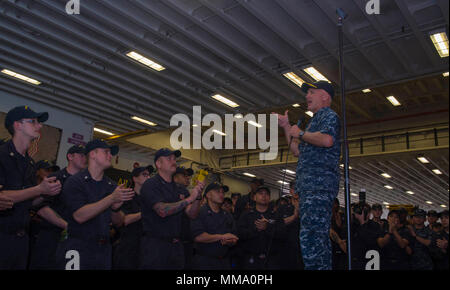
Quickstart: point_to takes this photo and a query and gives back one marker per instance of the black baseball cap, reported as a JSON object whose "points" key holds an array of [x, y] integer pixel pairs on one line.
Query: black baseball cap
{"points": [[80, 149], [324, 85], [45, 164], [262, 188], [215, 185], [184, 171], [24, 112], [432, 213], [443, 213], [139, 170], [166, 152], [97, 143], [419, 212]]}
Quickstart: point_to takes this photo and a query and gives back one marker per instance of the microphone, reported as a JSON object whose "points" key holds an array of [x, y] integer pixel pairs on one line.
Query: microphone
{"points": [[341, 13]]}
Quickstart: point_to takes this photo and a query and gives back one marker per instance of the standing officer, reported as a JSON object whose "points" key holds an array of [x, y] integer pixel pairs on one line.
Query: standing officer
{"points": [[92, 201], [394, 244], [291, 250], [247, 202], [18, 185], [432, 217], [364, 235], [318, 176], [261, 232], [126, 254], [182, 178], [213, 231], [377, 211], [162, 209], [421, 241], [43, 254]]}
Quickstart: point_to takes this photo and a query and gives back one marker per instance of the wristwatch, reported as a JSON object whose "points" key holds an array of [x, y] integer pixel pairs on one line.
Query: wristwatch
{"points": [[301, 134]]}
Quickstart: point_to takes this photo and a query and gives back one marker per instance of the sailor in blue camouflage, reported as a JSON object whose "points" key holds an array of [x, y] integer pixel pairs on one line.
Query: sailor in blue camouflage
{"points": [[318, 179]]}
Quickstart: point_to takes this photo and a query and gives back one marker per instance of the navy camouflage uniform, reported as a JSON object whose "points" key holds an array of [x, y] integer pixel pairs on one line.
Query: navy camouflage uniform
{"points": [[318, 179], [17, 172]]}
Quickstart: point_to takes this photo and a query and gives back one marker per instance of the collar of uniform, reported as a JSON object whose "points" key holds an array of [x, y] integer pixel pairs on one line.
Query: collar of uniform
{"points": [[163, 181], [210, 211], [322, 110], [13, 151], [64, 173], [86, 175]]}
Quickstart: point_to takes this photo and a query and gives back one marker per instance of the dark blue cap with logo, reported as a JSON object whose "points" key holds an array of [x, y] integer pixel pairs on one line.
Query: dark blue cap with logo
{"points": [[166, 152], [419, 212], [185, 171], [261, 188], [323, 85], [45, 164], [215, 186], [139, 170], [80, 149], [97, 143], [24, 112]]}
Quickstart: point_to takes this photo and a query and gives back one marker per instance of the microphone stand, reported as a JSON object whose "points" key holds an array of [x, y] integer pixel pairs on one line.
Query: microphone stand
{"points": [[341, 17]]}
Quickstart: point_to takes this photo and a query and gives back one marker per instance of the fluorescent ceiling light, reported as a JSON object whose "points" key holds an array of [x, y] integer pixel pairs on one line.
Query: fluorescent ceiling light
{"points": [[385, 203], [253, 123], [353, 194], [443, 205], [309, 113], [294, 78], [388, 187], [437, 171], [238, 116], [366, 91], [289, 171], [315, 74], [393, 101], [429, 202], [410, 192], [445, 74], [440, 42], [103, 131], [283, 182], [21, 77], [136, 118], [145, 61], [423, 160], [249, 174], [385, 175], [226, 101], [296, 105], [218, 132]]}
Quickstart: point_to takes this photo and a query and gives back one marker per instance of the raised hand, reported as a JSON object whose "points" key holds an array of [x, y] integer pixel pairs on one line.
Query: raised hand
{"points": [[121, 194], [283, 120]]}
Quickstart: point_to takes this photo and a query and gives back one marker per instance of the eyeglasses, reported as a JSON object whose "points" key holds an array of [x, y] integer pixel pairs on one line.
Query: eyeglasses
{"points": [[31, 121]]}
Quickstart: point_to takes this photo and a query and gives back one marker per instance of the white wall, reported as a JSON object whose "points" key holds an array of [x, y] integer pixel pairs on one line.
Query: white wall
{"points": [[67, 122]]}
